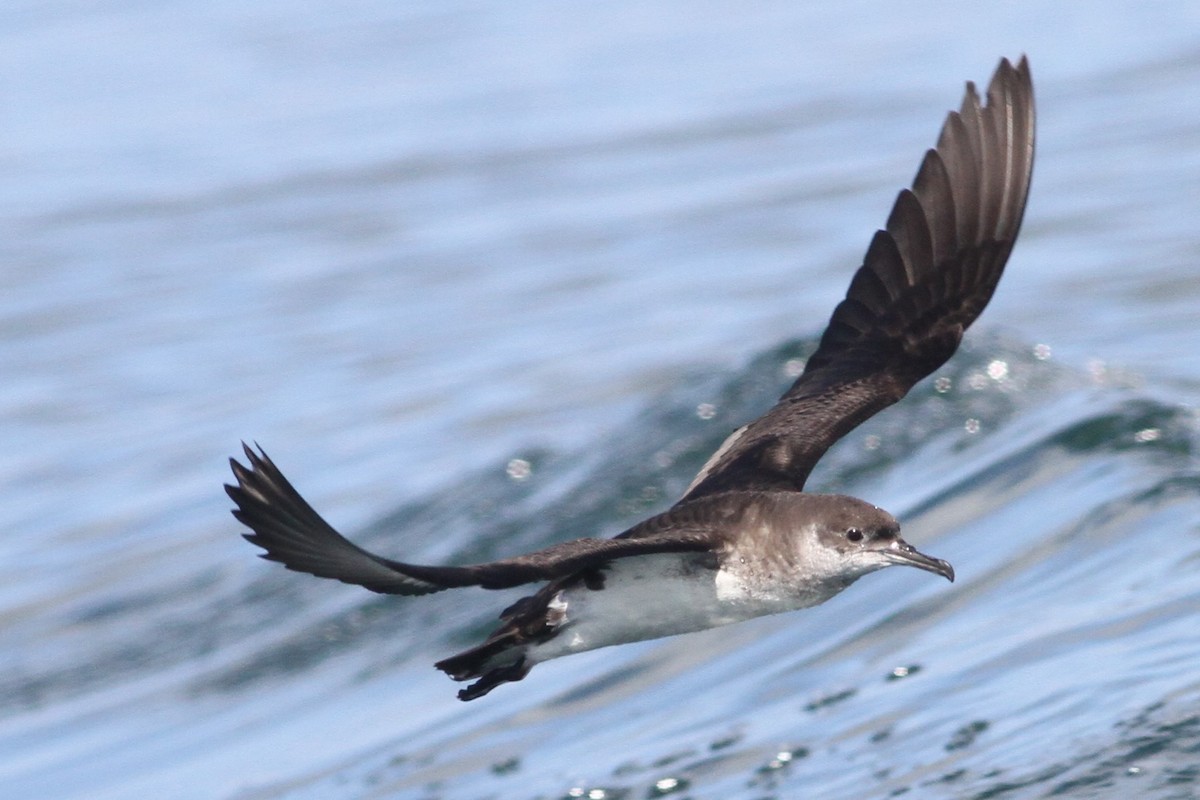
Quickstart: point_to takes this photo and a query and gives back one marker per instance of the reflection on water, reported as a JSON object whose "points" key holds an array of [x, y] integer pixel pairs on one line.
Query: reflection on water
{"points": [[485, 279]]}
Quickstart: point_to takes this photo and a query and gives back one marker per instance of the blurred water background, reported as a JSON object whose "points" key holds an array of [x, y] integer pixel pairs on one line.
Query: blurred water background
{"points": [[486, 276]]}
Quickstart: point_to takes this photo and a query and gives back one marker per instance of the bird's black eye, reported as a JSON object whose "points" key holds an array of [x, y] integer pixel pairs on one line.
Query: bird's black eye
{"points": [[854, 535]]}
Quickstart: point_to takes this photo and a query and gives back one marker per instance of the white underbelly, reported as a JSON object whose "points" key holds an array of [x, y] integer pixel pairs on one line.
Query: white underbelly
{"points": [[652, 596]]}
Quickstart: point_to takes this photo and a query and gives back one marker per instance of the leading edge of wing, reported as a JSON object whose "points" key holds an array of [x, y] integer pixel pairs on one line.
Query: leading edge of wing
{"points": [[925, 278]]}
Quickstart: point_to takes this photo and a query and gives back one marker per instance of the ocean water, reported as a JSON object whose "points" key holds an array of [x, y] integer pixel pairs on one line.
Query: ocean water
{"points": [[483, 277]]}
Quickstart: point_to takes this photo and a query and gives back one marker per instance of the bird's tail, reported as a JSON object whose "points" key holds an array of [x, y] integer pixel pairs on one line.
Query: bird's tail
{"points": [[504, 657], [501, 659]]}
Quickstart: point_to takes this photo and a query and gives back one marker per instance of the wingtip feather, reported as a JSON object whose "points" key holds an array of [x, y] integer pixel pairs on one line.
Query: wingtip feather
{"points": [[291, 533]]}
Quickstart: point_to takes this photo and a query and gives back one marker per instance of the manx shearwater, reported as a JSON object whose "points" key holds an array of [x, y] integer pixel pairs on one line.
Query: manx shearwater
{"points": [[745, 539]]}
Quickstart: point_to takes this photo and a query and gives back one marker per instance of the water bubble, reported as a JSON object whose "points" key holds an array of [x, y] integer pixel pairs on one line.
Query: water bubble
{"points": [[793, 367], [706, 411], [1148, 435], [971, 425], [903, 672], [667, 786], [943, 384], [590, 794], [1041, 352], [997, 370], [778, 762], [519, 469], [782, 759]]}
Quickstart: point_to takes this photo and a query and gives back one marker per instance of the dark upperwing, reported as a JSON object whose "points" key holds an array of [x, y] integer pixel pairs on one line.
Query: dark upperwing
{"points": [[923, 281], [292, 533]]}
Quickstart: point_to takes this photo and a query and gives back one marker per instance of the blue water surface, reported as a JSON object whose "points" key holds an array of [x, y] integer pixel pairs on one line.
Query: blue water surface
{"points": [[486, 276]]}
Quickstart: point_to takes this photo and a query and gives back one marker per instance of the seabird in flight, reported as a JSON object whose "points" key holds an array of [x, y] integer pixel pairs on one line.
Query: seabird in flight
{"points": [[745, 539]]}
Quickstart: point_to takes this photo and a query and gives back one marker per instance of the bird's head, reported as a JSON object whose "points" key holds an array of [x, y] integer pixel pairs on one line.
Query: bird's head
{"points": [[853, 538]]}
